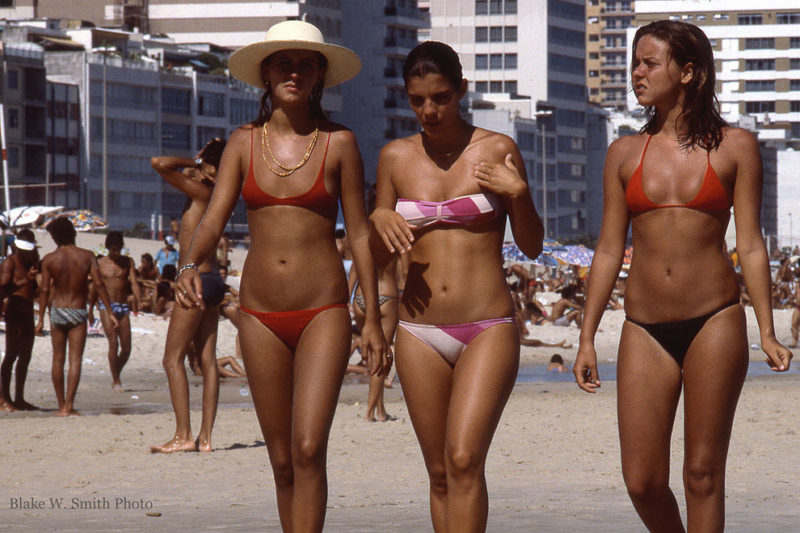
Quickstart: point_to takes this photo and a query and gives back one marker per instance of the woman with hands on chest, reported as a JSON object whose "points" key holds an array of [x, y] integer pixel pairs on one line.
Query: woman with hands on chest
{"points": [[442, 198]]}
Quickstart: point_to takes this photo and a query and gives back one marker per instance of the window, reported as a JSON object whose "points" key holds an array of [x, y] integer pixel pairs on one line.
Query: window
{"points": [[481, 7], [749, 20], [12, 79], [243, 110], [760, 107], [566, 91], [556, 35], [510, 86], [176, 101], [206, 133], [511, 34], [794, 42], [13, 118], [759, 64], [496, 61], [511, 7], [721, 16], [566, 64], [787, 18], [759, 43], [481, 61], [574, 119], [495, 86], [566, 10], [701, 18], [794, 85], [211, 104], [795, 106], [13, 157], [496, 34], [481, 86], [176, 136], [796, 130], [759, 85], [794, 63], [481, 34], [495, 7], [510, 61]]}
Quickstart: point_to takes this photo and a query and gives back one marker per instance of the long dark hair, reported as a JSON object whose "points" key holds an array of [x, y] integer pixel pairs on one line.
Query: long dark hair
{"points": [[316, 94], [433, 57], [702, 122]]}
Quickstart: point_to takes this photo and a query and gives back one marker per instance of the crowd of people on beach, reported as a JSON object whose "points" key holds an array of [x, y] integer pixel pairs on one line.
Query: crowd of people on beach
{"points": [[421, 279]]}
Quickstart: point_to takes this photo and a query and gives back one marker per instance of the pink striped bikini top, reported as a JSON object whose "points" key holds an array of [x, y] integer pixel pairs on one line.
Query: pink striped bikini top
{"points": [[468, 210]]}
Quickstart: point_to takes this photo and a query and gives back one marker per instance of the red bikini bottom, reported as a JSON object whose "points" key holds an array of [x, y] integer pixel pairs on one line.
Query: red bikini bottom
{"points": [[288, 326]]}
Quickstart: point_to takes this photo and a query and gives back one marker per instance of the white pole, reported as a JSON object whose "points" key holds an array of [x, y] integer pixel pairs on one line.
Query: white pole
{"points": [[105, 141], [6, 188], [544, 181]]}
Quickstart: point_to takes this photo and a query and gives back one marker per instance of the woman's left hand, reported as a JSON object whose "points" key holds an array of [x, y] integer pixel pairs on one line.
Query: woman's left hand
{"points": [[375, 348], [778, 355], [502, 179]]}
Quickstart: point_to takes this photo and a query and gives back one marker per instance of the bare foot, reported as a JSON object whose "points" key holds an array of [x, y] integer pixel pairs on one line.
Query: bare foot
{"points": [[25, 406], [7, 407], [67, 412], [203, 446], [175, 445], [117, 387]]}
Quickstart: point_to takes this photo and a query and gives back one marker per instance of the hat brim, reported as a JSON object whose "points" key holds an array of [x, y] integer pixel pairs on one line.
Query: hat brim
{"points": [[245, 63]]}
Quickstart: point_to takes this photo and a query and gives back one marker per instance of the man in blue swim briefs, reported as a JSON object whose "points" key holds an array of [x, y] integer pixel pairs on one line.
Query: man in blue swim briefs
{"points": [[119, 275]]}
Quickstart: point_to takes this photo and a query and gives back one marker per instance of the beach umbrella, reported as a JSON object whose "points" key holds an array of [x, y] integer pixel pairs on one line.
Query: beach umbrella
{"points": [[26, 215], [512, 253], [84, 220], [574, 254]]}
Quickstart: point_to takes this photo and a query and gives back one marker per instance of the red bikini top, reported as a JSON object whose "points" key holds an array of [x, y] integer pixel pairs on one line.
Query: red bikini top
{"points": [[316, 199], [711, 197]]}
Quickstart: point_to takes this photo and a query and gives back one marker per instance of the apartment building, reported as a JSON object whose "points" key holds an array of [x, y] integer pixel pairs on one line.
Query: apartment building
{"points": [[606, 43], [375, 106], [529, 59]]}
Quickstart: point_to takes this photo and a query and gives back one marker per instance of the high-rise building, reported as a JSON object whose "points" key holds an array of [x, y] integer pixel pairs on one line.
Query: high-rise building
{"points": [[606, 43], [528, 58], [375, 104]]}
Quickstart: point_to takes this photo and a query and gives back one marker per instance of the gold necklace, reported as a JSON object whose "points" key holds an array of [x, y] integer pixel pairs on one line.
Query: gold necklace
{"points": [[464, 142], [265, 147]]}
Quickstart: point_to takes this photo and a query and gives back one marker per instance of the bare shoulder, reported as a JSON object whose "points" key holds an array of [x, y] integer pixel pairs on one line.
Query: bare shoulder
{"points": [[496, 143], [240, 136], [399, 149], [736, 141], [627, 145]]}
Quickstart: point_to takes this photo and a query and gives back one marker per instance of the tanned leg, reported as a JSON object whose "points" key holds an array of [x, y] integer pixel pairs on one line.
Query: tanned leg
{"points": [[714, 372], [21, 374], [58, 337], [12, 351], [112, 334], [206, 343], [376, 410], [182, 327], [77, 342], [320, 362], [482, 382], [648, 389], [270, 369], [124, 349], [426, 379]]}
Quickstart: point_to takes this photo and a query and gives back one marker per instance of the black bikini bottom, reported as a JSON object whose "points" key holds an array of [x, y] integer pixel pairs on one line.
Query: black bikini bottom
{"points": [[676, 337]]}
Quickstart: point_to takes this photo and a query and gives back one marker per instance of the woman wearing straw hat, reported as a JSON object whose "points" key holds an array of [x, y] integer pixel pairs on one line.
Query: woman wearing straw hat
{"points": [[291, 165]]}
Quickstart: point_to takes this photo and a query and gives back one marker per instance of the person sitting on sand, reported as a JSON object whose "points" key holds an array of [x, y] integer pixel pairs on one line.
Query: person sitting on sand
{"points": [[18, 282], [567, 309], [196, 326], [119, 276], [556, 364], [69, 270], [148, 276], [165, 292], [167, 255]]}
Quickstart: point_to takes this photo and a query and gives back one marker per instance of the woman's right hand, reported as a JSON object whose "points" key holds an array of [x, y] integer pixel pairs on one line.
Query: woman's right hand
{"points": [[585, 368], [189, 290], [395, 232]]}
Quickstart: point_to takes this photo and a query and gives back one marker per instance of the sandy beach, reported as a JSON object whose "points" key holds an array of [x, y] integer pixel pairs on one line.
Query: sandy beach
{"points": [[553, 467]]}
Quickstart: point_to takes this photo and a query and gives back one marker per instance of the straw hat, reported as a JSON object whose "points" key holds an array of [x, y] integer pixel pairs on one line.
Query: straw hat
{"points": [[245, 63]]}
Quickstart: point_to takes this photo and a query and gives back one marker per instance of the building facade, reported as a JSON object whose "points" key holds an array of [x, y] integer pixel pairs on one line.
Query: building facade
{"points": [[606, 42], [375, 105]]}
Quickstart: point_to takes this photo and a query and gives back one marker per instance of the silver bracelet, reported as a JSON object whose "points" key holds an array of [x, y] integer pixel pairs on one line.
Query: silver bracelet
{"points": [[187, 266]]}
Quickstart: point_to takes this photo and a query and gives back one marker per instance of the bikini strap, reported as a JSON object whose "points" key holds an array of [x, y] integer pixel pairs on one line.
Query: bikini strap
{"points": [[646, 144]]}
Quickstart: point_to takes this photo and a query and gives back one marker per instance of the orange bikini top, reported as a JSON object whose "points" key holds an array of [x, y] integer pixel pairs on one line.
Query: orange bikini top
{"points": [[711, 197], [316, 199]]}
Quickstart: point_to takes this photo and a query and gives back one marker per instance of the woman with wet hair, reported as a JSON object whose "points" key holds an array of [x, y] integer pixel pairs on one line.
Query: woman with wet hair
{"points": [[443, 198], [675, 184]]}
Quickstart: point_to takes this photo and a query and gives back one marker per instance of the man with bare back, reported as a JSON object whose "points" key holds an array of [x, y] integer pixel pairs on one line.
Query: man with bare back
{"points": [[118, 273], [68, 269]]}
